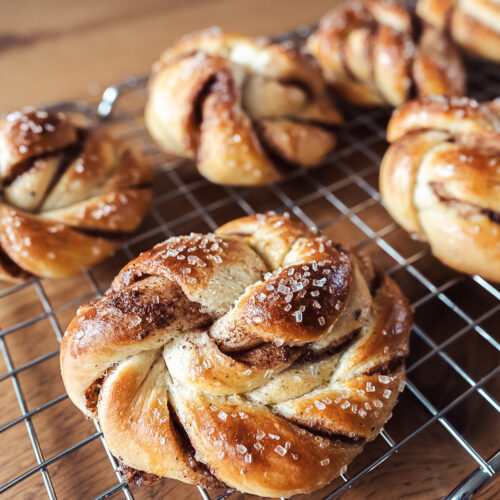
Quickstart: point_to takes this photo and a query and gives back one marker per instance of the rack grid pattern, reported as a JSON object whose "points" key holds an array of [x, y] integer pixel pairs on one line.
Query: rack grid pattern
{"points": [[341, 198]]}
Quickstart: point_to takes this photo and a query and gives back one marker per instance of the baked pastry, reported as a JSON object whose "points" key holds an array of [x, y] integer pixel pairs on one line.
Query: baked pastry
{"points": [[440, 179], [374, 53], [261, 357], [246, 110], [68, 193], [473, 24]]}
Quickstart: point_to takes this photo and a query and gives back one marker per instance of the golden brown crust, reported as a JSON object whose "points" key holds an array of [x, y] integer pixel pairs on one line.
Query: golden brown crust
{"points": [[362, 416], [398, 175], [473, 24], [244, 109], [372, 55], [458, 116], [130, 410], [232, 358], [67, 189], [31, 133], [440, 179]]}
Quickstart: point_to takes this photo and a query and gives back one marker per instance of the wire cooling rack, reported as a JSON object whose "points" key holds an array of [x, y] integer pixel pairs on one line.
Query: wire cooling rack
{"points": [[443, 440]]}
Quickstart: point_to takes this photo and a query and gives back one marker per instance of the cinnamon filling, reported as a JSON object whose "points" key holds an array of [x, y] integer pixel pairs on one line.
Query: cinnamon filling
{"points": [[10, 267], [329, 351], [209, 480], [298, 84], [464, 208], [136, 477], [492, 215], [108, 235], [387, 368], [92, 393], [268, 355], [197, 113], [137, 302], [316, 430], [376, 283]]}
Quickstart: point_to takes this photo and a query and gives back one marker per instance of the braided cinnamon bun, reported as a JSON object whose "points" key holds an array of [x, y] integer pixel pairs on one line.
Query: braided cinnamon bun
{"points": [[244, 109], [472, 24], [374, 53], [68, 192], [440, 179], [262, 357]]}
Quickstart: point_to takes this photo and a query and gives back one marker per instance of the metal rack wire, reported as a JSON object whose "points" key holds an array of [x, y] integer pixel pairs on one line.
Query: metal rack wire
{"points": [[340, 197]]}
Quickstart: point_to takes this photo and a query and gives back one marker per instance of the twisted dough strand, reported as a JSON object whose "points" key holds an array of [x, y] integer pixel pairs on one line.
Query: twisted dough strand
{"points": [[261, 357]]}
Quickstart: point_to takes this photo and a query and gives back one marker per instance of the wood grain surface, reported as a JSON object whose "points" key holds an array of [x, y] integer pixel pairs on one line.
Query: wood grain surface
{"points": [[56, 50]]}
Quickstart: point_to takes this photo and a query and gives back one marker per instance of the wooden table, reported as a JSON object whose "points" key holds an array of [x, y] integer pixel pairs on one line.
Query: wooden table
{"points": [[56, 50]]}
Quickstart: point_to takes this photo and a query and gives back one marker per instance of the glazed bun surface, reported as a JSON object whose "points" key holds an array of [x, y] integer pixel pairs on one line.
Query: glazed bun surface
{"points": [[261, 357]]}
